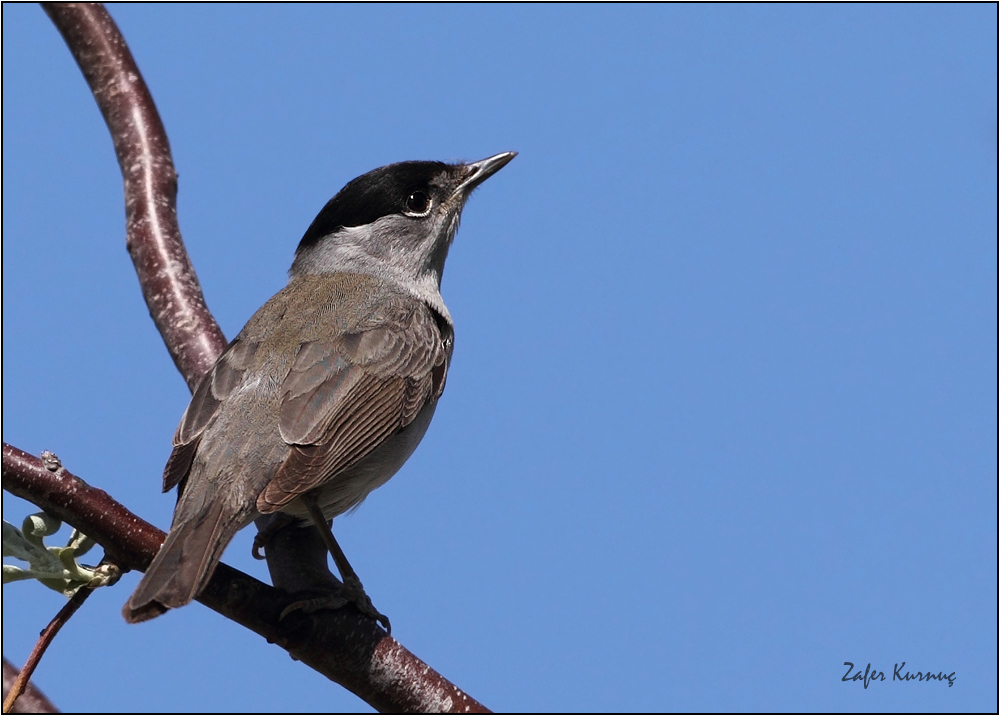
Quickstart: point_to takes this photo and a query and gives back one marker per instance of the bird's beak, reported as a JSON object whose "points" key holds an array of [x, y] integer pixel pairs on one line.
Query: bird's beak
{"points": [[478, 172]]}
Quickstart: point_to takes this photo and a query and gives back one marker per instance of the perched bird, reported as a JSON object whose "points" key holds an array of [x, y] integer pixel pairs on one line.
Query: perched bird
{"points": [[331, 384]]}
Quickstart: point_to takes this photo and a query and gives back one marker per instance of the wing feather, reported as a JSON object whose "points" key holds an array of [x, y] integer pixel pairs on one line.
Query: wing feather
{"points": [[214, 387], [344, 397]]}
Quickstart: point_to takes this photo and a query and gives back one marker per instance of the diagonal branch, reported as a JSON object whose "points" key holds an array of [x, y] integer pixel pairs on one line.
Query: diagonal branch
{"points": [[343, 645], [167, 278]]}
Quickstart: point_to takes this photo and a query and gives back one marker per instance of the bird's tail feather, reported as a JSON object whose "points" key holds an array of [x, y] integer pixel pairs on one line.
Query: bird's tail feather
{"points": [[185, 563]]}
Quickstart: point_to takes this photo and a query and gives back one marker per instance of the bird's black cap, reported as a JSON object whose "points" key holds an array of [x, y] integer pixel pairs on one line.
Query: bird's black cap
{"points": [[371, 196]]}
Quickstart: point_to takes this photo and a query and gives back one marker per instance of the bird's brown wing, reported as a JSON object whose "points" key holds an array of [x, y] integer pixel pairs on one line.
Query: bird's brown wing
{"points": [[211, 390], [343, 397]]}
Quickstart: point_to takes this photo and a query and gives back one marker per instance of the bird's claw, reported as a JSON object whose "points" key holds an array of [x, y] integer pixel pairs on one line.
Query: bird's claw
{"points": [[276, 523], [348, 594], [257, 547]]}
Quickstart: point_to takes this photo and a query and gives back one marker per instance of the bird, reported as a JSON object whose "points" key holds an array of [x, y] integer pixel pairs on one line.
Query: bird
{"points": [[330, 385]]}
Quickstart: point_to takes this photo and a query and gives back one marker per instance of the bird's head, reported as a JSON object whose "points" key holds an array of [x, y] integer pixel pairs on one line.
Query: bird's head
{"points": [[396, 222]]}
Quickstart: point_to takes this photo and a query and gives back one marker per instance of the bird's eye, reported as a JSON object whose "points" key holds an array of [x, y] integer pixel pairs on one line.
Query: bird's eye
{"points": [[418, 204]]}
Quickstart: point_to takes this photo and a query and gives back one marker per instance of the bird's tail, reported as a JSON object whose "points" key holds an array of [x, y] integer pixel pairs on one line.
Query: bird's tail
{"points": [[187, 559]]}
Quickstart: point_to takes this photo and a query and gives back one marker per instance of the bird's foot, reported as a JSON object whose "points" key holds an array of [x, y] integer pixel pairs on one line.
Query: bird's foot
{"points": [[351, 592]]}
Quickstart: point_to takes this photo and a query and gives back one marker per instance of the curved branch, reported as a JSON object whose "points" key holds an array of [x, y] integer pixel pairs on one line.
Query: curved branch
{"points": [[343, 645], [167, 278]]}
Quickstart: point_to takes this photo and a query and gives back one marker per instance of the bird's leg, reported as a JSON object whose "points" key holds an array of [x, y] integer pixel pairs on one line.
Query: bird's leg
{"points": [[353, 590]]}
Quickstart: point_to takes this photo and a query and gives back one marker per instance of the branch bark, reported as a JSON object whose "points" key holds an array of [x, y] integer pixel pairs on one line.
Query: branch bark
{"points": [[169, 284]]}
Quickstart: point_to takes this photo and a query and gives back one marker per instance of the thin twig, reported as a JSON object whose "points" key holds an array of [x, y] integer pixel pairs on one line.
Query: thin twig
{"points": [[32, 700], [167, 278], [44, 639]]}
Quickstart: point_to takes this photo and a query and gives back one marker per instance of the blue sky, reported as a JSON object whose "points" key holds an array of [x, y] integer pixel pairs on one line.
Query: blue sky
{"points": [[722, 414]]}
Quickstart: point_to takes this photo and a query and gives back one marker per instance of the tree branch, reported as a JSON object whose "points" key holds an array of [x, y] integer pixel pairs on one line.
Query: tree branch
{"points": [[167, 278], [343, 645]]}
